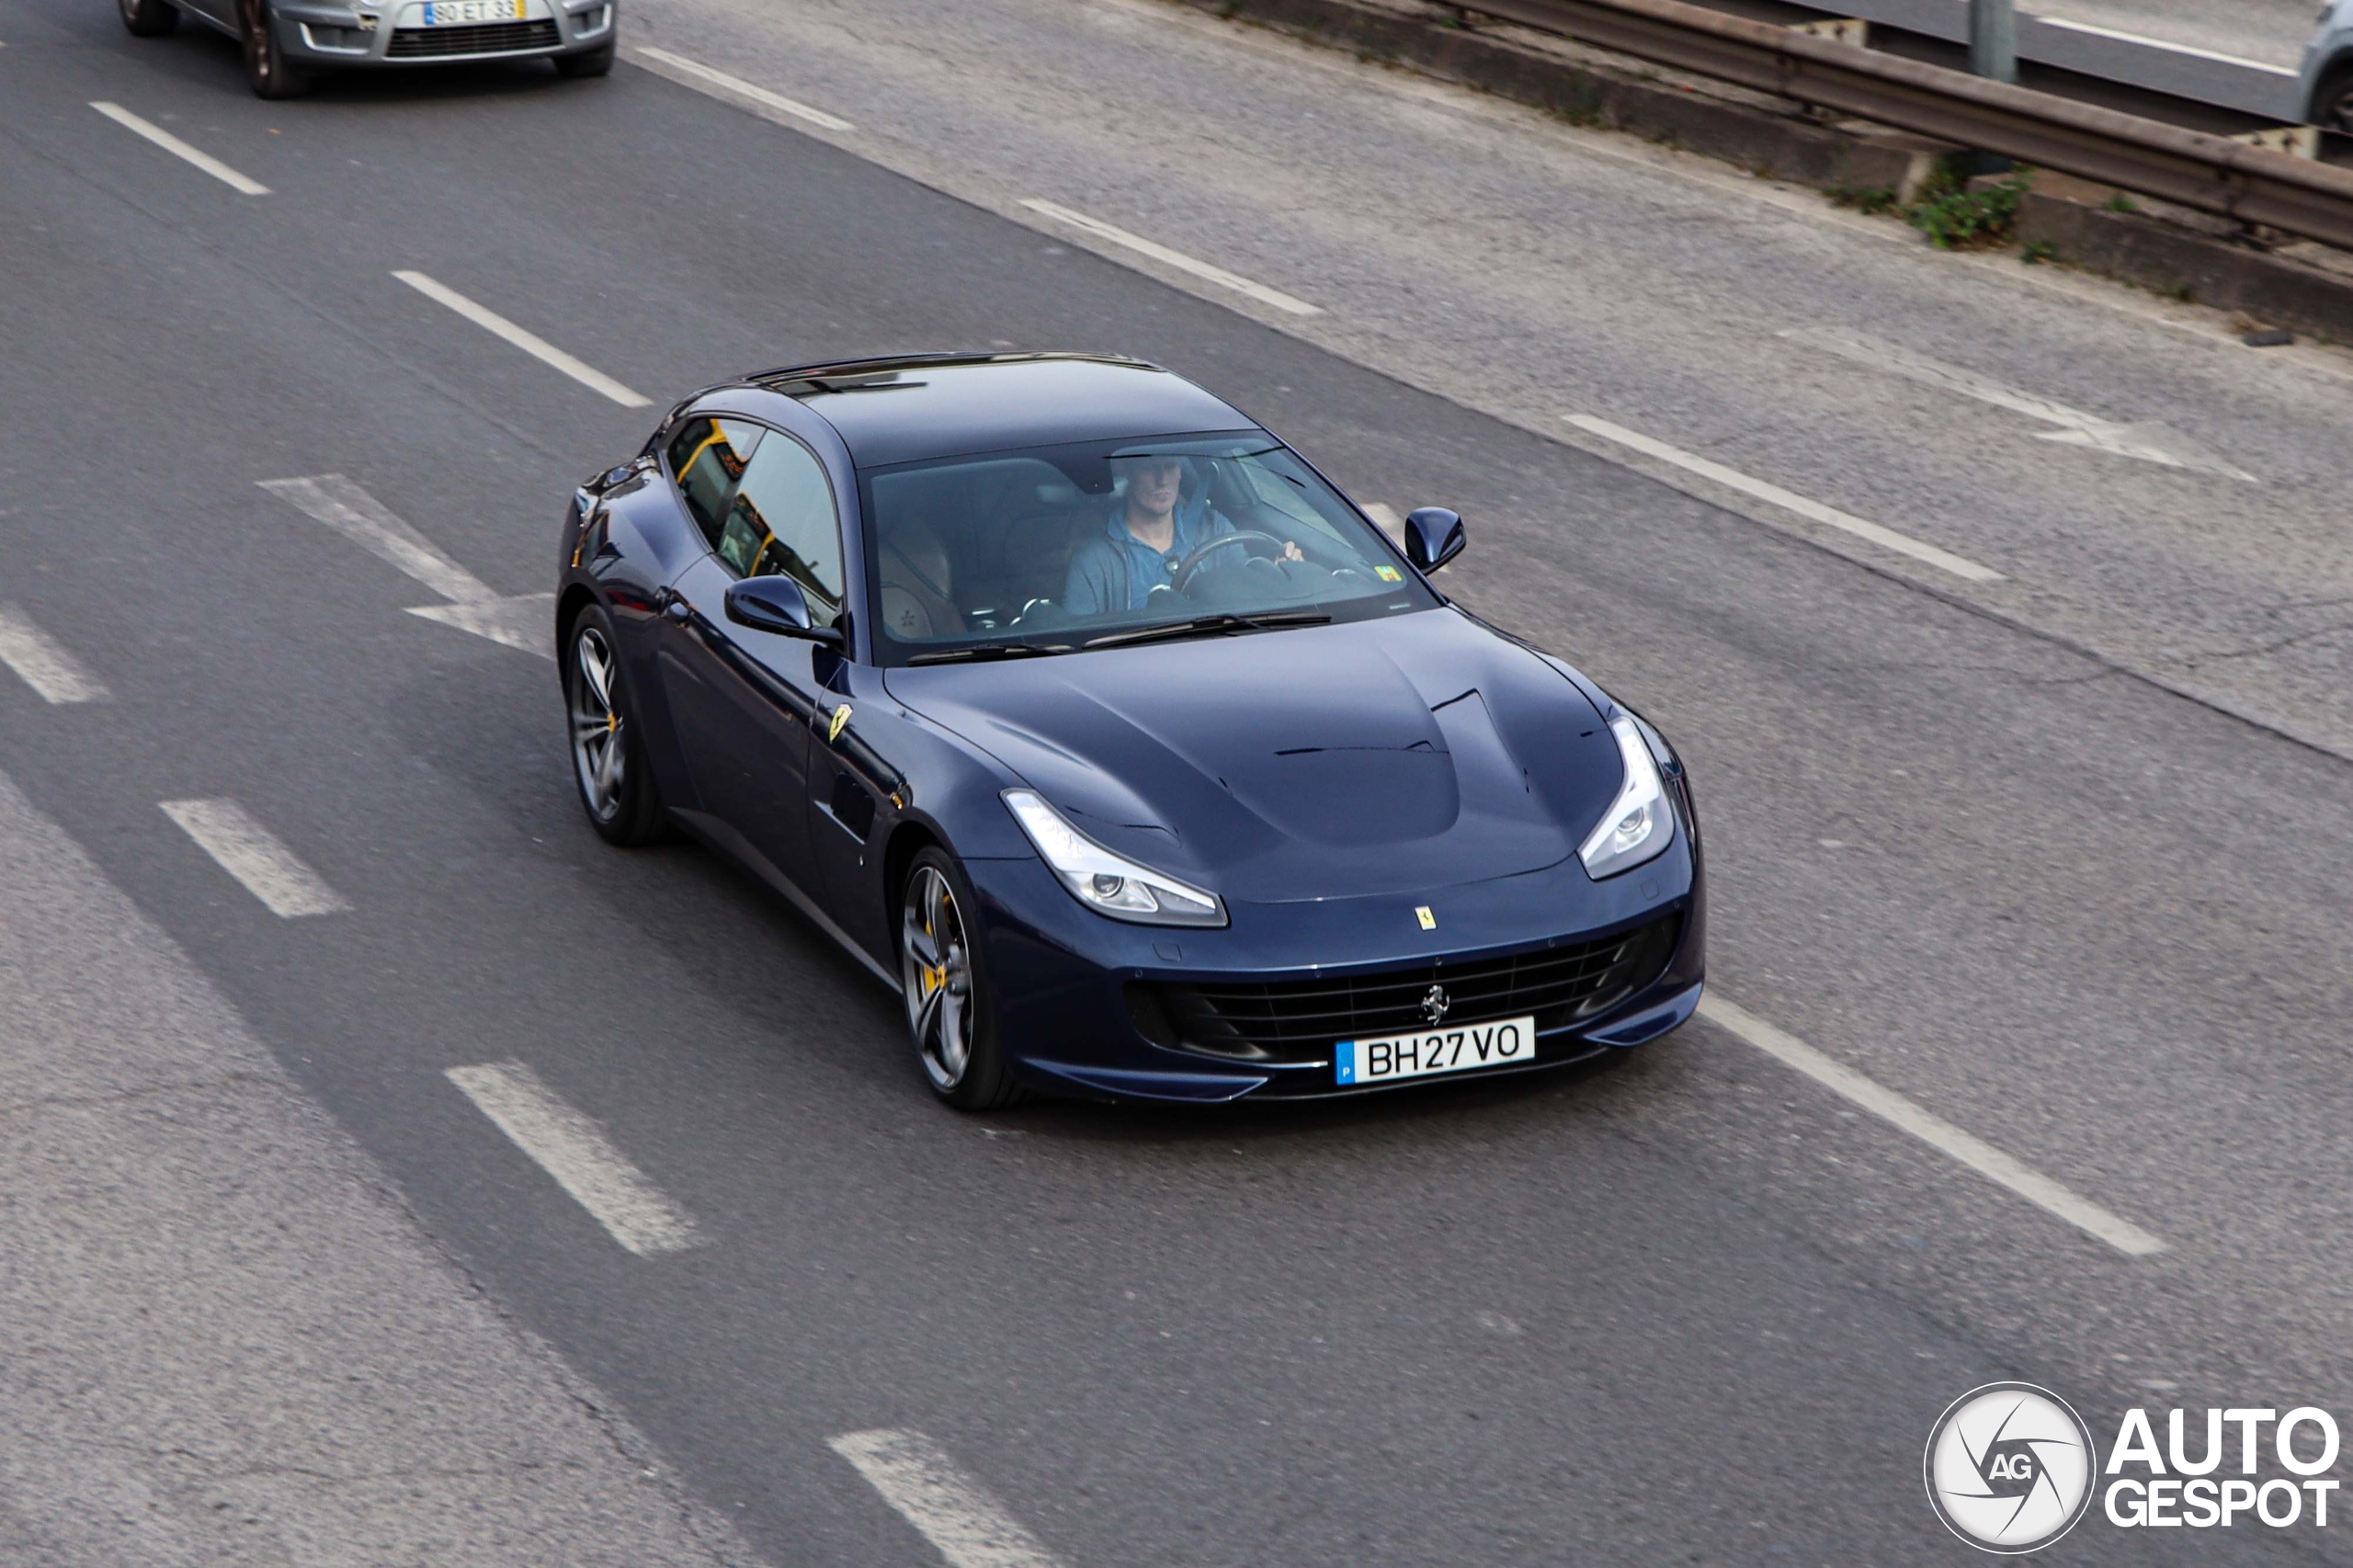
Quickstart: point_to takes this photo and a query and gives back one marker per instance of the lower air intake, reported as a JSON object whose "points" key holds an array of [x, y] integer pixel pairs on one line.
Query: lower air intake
{"points": [[492, 37]]}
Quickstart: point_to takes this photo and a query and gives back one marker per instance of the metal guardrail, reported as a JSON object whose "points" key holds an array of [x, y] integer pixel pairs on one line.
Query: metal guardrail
{"points": [[2208, 173]]}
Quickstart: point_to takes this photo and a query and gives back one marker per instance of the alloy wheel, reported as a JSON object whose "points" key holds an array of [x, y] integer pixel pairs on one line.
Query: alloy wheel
{"points": [[936, 969], [600, 743]]}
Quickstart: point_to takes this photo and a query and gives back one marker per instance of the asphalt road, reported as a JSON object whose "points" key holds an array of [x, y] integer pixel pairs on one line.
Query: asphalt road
{"points": [[2270, 31], [1698, 1306]]}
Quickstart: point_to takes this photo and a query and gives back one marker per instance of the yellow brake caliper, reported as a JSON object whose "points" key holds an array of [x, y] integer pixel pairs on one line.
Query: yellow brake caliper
{"points": [[933, 978]]}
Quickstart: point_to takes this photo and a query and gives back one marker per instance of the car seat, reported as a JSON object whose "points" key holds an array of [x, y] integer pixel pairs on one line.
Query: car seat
{"points": [[918, 584]]}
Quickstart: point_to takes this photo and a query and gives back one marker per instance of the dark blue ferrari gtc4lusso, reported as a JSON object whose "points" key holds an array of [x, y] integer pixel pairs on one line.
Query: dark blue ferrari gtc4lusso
{"points": [[1090, 717]]}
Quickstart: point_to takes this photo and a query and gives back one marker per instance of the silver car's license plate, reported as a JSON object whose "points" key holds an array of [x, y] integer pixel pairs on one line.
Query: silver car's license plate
{"points": [[471, 13], [1453, 1050]]}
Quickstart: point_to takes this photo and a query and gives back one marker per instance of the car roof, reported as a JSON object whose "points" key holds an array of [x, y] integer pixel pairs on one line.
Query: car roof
{"points": [[911, 408]]}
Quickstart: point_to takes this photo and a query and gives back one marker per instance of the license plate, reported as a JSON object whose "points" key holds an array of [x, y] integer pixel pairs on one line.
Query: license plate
{"points": [[1454, 1050], [471, 13]]}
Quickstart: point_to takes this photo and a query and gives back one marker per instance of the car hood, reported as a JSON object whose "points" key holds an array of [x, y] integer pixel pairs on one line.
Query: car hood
{"points": [[1377, 756]]}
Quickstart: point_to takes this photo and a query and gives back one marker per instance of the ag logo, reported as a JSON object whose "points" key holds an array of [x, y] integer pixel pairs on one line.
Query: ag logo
{"points": [[2009, 1468]]}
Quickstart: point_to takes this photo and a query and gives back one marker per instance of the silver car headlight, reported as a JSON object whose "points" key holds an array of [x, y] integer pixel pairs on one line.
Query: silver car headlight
{"points": [[1108, 884], [1639, 825]]}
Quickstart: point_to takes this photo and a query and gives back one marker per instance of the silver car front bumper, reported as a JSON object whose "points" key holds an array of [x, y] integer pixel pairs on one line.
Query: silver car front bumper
{"points": [[363, 34]]}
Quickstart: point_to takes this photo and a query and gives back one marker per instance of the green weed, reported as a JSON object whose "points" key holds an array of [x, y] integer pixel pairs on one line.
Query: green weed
{"points": [[1954, 217], [1868, 200]]}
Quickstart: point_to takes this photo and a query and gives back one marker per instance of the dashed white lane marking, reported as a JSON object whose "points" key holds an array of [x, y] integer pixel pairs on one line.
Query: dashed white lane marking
{"points": [[42, 662], [530, 343], [2146, 440], [968, 1526], [525, 621], [252, 854], [743, 89], [1787, 500], [1933, 1130], [1386, 515], [179, 149], [1176, 258], [343, 505], [575, 1150]]}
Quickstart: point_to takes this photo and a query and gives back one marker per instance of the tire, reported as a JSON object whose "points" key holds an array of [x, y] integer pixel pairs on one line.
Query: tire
{"points": [[149, 19], [951, 1010], [606, 746], [267, 71], [596, 63], [2333, 101]]}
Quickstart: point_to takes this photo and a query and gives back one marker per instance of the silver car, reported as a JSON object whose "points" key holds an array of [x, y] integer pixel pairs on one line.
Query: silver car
{"points": [[288, 42], [2328, 68]]}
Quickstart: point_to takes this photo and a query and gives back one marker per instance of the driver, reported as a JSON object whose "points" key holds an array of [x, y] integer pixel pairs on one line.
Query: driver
{"points": [[1145, 540]]}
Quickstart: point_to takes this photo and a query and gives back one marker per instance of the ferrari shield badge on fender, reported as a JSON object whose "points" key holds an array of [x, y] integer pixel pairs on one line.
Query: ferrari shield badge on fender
{"points": [[834, 729], [1422, 913]]}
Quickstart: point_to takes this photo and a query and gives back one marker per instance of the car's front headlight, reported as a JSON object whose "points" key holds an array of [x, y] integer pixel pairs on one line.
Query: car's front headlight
{"points": [[1108, 884], [1639, 823]]}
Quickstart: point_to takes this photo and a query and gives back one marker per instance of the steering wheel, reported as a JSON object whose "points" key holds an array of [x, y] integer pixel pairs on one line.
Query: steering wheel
{"points": [[1183, 576]]}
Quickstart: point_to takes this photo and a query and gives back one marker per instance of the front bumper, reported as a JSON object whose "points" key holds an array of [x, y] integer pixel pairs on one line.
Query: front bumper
{"points": [[1062, 975], [363, 36]]}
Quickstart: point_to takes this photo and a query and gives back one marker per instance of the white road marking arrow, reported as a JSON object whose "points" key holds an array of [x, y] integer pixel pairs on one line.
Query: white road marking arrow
{"points": [[525, 621], [2146, 440]]}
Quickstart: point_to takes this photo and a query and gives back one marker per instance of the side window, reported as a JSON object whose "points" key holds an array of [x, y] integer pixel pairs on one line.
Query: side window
{"points": [[782, 523], [708, 456]]}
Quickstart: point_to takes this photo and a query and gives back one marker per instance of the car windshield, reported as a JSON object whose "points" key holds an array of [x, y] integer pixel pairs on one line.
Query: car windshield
{"points": [[1059, 549]]}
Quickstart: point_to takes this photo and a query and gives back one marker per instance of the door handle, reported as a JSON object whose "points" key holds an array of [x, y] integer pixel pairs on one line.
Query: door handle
{"points": [[675, 607]]}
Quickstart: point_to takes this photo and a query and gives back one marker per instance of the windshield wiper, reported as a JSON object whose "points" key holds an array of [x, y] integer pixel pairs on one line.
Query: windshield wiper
{"points": [[1208, 625], [981, 651]]}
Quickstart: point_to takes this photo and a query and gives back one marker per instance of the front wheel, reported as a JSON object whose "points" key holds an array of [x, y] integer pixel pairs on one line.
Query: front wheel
{"points": [[266, 69], [596, 63], [2333, 103], [149, 19], [952, 1012], [608, 753]]}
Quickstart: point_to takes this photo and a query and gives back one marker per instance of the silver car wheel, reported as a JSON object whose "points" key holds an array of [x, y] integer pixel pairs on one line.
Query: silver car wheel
{"points": [[937, 971], [599, 740]]}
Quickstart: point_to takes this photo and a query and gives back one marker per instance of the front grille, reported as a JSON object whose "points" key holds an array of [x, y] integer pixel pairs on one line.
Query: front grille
{"points": [[490, 37], [1299, 1020]]}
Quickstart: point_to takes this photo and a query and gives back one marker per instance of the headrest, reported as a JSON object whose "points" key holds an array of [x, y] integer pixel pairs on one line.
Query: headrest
{"points": [[914, 556]]}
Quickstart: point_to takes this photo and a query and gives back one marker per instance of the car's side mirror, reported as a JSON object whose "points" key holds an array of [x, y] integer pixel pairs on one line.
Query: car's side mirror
{"points": [[1433, 538], [774, 605]]}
